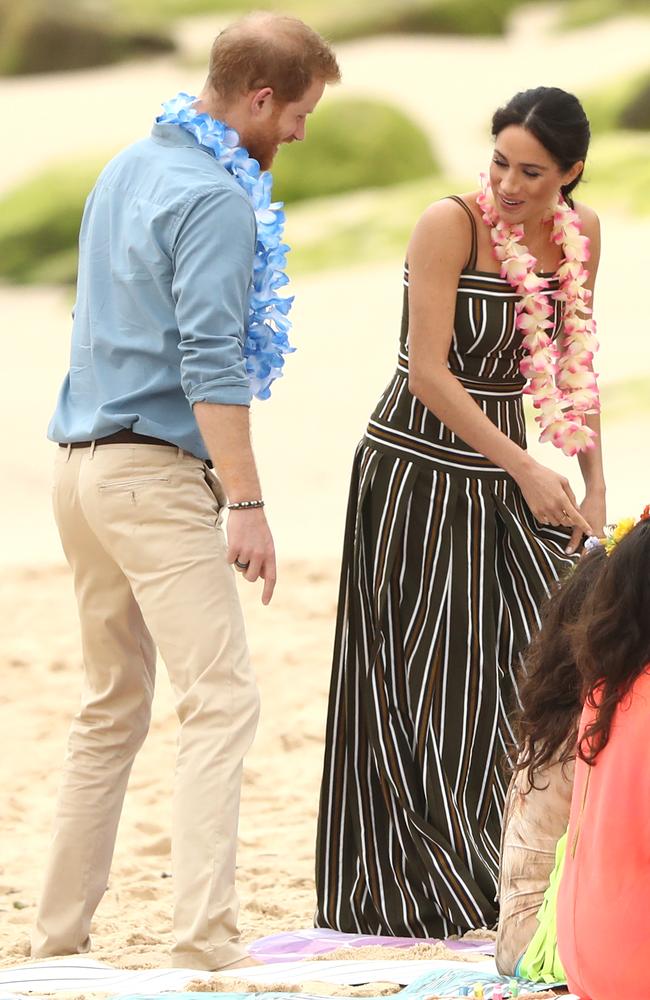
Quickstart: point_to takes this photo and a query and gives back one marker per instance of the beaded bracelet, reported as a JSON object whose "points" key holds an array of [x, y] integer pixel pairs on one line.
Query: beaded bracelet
{"points": [[245, 505]]}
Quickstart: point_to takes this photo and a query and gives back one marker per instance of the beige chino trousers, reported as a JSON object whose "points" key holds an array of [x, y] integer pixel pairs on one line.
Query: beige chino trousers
{"points": [[140, 526]]}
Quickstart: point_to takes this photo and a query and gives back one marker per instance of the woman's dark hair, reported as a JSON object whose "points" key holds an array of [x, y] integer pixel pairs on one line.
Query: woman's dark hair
{"points": [[550, 688], [556, 119], [612, 639]]}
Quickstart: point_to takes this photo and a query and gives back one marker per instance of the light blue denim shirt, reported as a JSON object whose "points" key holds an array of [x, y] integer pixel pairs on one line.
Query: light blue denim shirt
{"points": [[165, 270]]}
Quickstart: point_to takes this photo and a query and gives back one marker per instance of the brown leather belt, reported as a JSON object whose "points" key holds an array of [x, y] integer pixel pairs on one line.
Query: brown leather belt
{"points": [[128, 437], [121, 437]]}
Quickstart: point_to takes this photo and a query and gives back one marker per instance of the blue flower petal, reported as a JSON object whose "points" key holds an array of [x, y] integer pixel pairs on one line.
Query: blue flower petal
{"points": [[266, 335]]}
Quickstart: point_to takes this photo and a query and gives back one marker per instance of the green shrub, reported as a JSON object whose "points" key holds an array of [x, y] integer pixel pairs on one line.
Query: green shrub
{"points": [[603, 106], [581, 13], [155, 11], [360, 227], [623, 103], [442, 17], [39, 221], [39, 224], [38, 36], [636, 113], [352, 144], [340, 19], [617, 173]]}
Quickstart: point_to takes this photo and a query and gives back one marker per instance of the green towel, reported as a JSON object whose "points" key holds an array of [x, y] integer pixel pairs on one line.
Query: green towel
{"points": [[541, 962]]}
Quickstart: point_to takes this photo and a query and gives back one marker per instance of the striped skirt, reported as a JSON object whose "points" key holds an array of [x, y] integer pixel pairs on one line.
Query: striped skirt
{"points": [[441, 583]]}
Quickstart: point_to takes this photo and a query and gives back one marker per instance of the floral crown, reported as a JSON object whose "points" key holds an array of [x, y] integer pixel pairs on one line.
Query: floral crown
{"points": [[615, 532]]}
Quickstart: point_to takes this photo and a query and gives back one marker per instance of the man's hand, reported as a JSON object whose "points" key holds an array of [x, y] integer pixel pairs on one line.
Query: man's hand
{"points": [[226, 432], [251, 549]]}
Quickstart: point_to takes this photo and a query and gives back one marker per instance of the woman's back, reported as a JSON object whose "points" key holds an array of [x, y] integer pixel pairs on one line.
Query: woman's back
{"points": [[603, 912]]}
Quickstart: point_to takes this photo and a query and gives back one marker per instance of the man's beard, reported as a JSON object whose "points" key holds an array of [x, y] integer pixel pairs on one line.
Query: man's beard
{"points": [[263, 144]]}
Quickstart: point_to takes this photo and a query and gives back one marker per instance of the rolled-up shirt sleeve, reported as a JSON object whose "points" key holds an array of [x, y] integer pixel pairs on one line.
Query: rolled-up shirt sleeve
{"points": [[212, 258]]}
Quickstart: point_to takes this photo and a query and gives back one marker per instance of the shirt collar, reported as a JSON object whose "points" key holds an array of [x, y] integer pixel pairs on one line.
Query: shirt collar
{"points": [[171, 135]]}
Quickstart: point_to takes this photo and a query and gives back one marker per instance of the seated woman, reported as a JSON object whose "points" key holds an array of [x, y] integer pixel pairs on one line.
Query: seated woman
{"points": [[603, 917], [537, 807]]}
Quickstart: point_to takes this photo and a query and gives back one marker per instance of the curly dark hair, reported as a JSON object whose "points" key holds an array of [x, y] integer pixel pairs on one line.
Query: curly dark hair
{"points": [[611, 641], [546, 726]]}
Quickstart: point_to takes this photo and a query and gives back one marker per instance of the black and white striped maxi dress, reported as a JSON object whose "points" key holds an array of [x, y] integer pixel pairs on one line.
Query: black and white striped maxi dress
{"points": [[444, 570]]}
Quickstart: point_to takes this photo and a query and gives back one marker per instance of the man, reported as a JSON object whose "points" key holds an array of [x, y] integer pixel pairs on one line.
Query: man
{"points": [[157, 388]]}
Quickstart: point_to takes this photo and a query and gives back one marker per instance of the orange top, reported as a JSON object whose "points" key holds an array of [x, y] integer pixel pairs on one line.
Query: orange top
{"points": [[603, 918]]}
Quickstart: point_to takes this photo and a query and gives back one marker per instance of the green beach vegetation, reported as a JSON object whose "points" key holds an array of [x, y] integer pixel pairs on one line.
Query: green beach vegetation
{"points": [[39, 220], [580, 13], [339, 19], [43, 36], [617, 173], [394, 149], [620, 104], [39, 224], [369, 194], [38, 36]]}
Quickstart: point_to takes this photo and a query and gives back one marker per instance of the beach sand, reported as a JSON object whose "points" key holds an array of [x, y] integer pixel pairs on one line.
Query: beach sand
{"points": [[346, 328], [40, 661]]}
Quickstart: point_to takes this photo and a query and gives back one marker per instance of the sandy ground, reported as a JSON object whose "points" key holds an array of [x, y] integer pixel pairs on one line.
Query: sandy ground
{"points": [[346, 327], [40, 662]]}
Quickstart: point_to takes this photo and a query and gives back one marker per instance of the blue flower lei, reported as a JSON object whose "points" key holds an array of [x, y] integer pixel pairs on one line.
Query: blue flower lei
{"points": [[268, 326]]}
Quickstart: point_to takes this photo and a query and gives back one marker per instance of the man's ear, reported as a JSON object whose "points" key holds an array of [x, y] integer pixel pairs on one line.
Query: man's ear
{"points": [[260, 100]]}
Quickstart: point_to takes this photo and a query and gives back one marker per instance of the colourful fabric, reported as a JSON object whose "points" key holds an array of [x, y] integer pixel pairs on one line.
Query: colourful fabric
{"points": [[541, 961], [603, 917], [440, 978], [292, 946]]}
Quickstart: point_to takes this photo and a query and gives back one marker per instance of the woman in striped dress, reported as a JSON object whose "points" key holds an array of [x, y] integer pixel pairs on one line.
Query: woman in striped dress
{"points": [[454, 537]]}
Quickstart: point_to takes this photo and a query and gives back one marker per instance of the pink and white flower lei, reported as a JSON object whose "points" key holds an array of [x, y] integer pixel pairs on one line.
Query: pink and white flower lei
{"points": [[562, 384]]}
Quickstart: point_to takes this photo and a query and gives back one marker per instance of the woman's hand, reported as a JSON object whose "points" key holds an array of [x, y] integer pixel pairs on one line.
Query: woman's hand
{"points": [[592, 509], [551, 499]]}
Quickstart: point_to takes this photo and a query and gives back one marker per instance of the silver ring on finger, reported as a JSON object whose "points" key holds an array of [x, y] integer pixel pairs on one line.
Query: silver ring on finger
{"points": [[242, 566]]}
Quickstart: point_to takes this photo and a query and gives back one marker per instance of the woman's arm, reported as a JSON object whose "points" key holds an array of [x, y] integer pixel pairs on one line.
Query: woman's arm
{"points": [[436, 254], [591, 462]]}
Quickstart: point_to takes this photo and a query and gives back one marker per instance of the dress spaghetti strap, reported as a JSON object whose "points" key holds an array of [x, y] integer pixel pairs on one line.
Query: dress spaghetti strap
{"points": [[473, 254]]}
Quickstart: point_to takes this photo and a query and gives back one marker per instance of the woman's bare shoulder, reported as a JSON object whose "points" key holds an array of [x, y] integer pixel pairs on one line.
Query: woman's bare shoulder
{"points": [[446, 220], [588, 218], [447, 211]]}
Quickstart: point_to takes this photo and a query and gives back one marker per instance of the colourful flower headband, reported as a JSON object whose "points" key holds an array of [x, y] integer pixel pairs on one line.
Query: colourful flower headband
{"points": [[615, 532]]}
